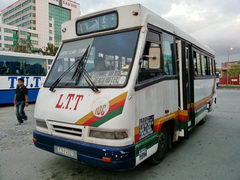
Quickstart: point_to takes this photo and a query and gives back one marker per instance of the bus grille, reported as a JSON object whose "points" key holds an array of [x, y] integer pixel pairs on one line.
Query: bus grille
{"points": [[65, 130]]}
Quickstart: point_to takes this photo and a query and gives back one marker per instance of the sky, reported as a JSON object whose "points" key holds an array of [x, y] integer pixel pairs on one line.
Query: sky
{"points": [[215, 23]]}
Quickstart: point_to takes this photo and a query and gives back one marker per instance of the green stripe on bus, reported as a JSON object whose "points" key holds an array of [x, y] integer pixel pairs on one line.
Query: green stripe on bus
{"points": [[182, 125], [201, 110], [146, 143], [108, 117]]}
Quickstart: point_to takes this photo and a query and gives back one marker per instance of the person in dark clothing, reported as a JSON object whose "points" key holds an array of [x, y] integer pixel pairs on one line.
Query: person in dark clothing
{"points": [[21, 100]]}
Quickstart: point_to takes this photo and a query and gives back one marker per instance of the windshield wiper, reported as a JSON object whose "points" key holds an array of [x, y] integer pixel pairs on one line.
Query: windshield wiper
{"points": [[79, 61], [80, 71], [90, 82]]}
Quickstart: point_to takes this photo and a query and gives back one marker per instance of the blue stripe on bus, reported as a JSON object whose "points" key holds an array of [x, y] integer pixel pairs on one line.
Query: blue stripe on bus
{"points": [[121, 157], [6, 96]]}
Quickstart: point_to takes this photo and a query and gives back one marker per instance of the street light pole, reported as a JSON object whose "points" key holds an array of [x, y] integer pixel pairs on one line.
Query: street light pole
{"points": [[228, 62]]}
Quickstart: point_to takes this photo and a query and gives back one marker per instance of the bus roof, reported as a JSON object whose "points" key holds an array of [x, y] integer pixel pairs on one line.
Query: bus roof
{"points": [[127, 20], [27, 55]]}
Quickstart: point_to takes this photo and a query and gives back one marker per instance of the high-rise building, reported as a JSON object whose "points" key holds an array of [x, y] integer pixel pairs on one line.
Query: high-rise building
{"points": [[43, 16], [12, 37]]}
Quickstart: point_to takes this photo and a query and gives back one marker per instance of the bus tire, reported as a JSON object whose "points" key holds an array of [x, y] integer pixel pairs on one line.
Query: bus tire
{"points": [[163, 146]]}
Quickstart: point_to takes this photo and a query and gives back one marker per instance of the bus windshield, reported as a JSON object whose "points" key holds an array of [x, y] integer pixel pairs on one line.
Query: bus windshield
{"points": [[108, 62]]}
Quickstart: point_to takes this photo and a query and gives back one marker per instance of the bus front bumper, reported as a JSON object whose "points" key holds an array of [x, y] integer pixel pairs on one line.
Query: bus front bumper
{"points": [[92, 154]]}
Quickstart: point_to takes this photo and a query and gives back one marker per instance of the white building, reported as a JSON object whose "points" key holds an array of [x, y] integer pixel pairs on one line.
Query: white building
{"points": [[13, 35], [43, 16]]}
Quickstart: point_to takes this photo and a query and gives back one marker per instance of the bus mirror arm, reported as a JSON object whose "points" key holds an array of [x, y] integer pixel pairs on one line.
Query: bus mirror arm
{"points": [[146, 58], [149, 57]]}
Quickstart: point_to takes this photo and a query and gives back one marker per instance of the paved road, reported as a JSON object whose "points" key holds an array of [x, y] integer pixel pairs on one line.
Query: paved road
{"points": [[211, 152]]}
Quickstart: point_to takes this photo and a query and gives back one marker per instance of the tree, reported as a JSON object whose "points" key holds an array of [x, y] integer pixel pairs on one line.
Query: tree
{"points": [[234, 70], [23, 46], [50, 50]]}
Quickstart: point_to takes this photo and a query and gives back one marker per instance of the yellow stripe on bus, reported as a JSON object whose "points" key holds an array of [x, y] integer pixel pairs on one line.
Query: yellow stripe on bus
{"points": [[118, 99], [112, 102], [160, 120], [85, 118], [165, 118]]}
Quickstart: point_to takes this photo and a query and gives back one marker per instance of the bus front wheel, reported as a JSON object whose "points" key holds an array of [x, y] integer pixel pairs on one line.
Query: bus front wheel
{"points": [[163, 145]]}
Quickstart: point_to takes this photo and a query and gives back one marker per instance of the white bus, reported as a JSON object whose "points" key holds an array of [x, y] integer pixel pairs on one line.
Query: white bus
{"points": [[124, 85], [33, 68]]}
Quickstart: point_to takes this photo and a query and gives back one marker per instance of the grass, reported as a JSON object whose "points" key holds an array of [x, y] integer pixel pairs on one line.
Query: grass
{"points": [[229, 87]]}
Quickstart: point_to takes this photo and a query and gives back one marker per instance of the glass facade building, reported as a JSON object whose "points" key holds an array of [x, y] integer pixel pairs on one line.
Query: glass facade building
{"points": [[59, 16], [45, 17], [21, 15]]}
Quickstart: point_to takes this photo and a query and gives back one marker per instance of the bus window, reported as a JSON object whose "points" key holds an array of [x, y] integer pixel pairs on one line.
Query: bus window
{"points": [[210, 66], [195, 63], [11, 65], [207, 68], [168, 53], [204, 59], [35, 67], [187, 57], [214, 66], [203, 65], [199, 65], [19, 66], [107, 65]]}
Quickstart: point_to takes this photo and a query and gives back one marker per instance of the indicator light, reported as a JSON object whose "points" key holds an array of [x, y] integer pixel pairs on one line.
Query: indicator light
{"points": [[106, 159]]}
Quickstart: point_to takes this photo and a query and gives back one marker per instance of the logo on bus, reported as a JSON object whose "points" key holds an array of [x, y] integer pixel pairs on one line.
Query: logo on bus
{"points": [[100, 107], [69, 101], [30, 82]]}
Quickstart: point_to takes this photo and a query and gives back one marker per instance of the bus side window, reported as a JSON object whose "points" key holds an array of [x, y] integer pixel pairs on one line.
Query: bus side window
{"points": [[210, 66], [203, 65], [18, 66], [195, 63], [207, 65], [199, 65], [214, 66], [168, 53]]}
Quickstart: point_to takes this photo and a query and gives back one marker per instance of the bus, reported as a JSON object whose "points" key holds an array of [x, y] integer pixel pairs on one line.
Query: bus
{"points": [[123, 87], [33, 68]]}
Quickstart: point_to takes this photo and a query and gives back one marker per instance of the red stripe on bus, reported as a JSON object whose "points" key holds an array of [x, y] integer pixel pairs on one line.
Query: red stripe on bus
{"points": [[182, 118], [111, 109], [137, 137]]}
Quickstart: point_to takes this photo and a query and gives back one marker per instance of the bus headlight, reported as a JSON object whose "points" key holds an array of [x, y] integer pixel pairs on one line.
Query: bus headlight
{"points": [[108, 134], [41, 123]]}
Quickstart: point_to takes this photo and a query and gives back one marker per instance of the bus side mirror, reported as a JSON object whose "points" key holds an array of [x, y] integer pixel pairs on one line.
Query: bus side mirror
{"points": [[153, 58]]}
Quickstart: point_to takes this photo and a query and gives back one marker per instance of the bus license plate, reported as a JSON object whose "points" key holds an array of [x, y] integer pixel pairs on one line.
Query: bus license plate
{"points": [[65, 152]]}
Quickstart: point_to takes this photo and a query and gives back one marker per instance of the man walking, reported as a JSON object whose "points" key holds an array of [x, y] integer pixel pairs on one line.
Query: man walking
{"points": [[21, 100]]}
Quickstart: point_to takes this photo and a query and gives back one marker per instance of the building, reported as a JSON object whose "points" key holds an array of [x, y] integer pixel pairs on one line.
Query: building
{"points": [[43, 16], [227, 65], [225, 78], [0, 18], [13, 36]]}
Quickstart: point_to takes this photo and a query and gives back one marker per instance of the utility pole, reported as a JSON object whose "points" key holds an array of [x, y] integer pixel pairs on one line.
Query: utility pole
{"points": [[228, 63]]}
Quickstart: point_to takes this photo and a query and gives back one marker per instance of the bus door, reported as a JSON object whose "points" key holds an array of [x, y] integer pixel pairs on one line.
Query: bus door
{"points": [[186, 83], [189, 78]]}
